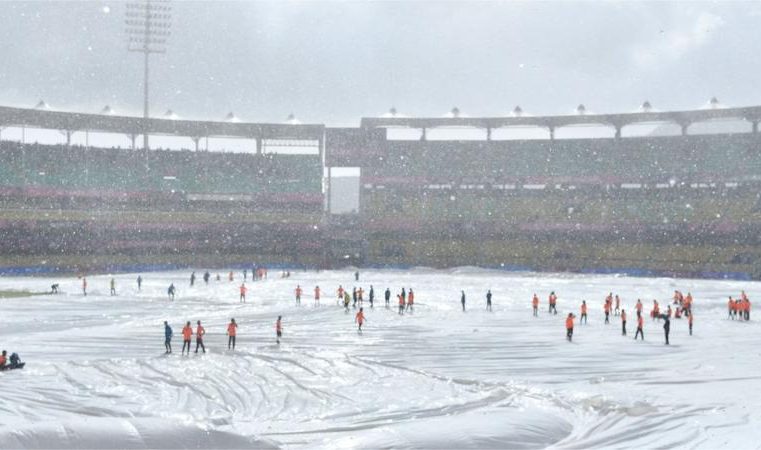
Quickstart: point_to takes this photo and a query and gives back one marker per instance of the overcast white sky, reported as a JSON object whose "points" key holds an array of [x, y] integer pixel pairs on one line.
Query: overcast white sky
{"points": [[336, 61]]}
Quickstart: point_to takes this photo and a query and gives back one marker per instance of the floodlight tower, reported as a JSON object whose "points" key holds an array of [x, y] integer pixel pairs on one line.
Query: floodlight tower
{"points": [[148, 24]]}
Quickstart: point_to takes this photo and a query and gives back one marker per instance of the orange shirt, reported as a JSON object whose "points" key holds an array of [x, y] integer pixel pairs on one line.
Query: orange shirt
{"points": [[232, 329], [360, 317], [2, 360], [187, 332], [583, 308], [607, 307], [639, 307], [278, 326], [401, 299], [410, 298], [535, 301], [243, 290], [569, 322], [317, 293], [731, 305], [200, 332], [640, 321], [298, 292], [623, 317], [340, 292]]}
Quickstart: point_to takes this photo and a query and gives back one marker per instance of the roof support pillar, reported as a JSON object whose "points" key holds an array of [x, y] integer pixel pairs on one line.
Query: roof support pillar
{"points": [[488, 133], [551, 128], [133, 138], [684, 126], [259, 145], [423, 136], [196, 140], [618, 131], [328, 192], [755, 126]]}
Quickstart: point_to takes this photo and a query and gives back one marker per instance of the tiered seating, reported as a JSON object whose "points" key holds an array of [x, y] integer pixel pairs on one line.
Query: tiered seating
{"points": [[630, 160], [76, 168], [107, 204], [641, 207]]}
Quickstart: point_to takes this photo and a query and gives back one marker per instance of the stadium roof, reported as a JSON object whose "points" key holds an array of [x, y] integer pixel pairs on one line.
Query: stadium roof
{"points": [[71, 121], [682, 118]]}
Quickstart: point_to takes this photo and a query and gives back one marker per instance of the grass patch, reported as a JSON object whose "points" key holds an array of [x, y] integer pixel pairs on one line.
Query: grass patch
{"points": [[20, 294]]}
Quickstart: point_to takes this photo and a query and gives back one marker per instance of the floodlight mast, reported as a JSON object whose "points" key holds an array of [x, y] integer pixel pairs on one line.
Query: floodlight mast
{"points": [[148, 24]]}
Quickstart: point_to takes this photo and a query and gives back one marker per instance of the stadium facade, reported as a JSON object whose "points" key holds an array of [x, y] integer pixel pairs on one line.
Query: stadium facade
{"points": [[684, 205]]}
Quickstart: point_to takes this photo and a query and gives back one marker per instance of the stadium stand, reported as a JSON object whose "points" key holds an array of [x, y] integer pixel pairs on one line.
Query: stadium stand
{"points": [[685, 205], [674, 205], [60, 204]]}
